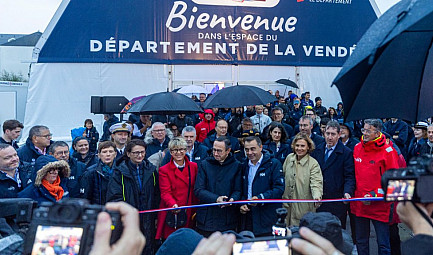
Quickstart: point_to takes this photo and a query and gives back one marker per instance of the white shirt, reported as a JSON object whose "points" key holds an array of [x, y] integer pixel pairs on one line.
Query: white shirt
{"points": [[251, 174]]}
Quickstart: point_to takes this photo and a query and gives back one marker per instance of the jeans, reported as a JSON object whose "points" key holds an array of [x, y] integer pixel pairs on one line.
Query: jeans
{"points": [[363, 235]]}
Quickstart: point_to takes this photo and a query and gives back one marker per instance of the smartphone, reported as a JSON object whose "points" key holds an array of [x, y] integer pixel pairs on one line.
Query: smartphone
{"points": [[263, 246]]}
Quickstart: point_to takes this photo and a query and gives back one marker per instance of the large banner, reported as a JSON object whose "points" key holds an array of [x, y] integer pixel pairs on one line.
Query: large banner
{"points": [[259, 32]]}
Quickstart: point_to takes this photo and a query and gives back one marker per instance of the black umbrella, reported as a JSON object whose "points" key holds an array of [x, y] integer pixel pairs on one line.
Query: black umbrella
{"points": [[165, 103], [390, 74], [288, 83], [238, 96]]}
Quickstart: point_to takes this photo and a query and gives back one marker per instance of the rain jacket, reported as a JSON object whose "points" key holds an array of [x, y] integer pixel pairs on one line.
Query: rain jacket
{"points": [[372, 159], [205, 126]]}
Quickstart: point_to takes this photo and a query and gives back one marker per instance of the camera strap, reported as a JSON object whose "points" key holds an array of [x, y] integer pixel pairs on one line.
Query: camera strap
{"points": [[426, 217]]}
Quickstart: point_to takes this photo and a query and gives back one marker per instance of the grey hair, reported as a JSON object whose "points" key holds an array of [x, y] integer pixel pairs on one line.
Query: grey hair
{"points": [[246, 119], [4, 146], [376, 123], [333, 124], [37, 130], [177, 142], [148, 139], [56, 144], [189, 129], [307, 118]]}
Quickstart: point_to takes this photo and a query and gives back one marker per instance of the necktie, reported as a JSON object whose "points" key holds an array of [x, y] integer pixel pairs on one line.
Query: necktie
{"points": [[327, 153]]}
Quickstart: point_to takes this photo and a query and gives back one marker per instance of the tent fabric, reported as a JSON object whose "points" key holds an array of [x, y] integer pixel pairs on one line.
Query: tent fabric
{"points": [[59, 93]]}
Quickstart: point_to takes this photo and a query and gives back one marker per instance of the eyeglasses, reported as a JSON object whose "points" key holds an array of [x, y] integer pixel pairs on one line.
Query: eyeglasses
{"points": [[158, 130], [217, 150], [178, 150], [46, 136], [55, 170], [137, 153], [367, 131], [62, 153]]}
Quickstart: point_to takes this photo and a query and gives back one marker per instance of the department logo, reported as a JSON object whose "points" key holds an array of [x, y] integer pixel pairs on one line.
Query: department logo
{"points": [[248, 3]]}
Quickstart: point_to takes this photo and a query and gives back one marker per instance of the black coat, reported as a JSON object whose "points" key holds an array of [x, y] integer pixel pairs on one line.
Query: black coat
{"points": [[90, 160], [77, 171], [208, 142], [199, 154], [28, 152], [351, 143], [92, 136], [268, 183], [9, 188], [214, 180], [282, 153], [181, 123], [155, 146], [94, 185], [338, 177], [123, 187], [13, 143], [399, 128], [106, 128], [41, 194]]}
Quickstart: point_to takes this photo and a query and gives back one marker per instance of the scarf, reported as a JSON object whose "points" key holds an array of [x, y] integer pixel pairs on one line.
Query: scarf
{"points": [[55, 190]]}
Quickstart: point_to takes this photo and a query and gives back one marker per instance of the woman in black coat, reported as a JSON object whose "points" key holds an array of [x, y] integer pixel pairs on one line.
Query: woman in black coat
{"points": [[82, 152], [135, 181], [276, 144], [91, 134]]}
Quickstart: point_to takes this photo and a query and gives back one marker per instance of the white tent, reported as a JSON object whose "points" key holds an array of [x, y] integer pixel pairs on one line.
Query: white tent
{"points": [[59, 92]]}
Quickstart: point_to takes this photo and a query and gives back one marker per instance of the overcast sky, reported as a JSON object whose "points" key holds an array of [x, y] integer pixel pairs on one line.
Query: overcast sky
{"points": [[28, 16]]}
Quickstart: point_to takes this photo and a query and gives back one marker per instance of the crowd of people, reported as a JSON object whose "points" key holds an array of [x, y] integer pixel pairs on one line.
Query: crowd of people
{"points": [[298, 150]]}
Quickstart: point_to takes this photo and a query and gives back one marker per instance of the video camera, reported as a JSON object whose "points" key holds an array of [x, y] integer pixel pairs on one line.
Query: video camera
{"points": [[66, 227], [413, 183]]}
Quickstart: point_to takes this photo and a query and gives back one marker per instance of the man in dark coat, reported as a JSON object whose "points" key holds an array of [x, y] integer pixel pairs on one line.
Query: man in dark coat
{"points": [[181, 121], [195, 151], [60, 151], [277, 116], [306, 126], [13, 176], [295, 114], [218, 180], [11, 132], [157, 138], [346, 135], [36, 145], [221, 128], [135, 181], [261, 179], [399, 131], [319, 108], [336, 163], [110, 120]]}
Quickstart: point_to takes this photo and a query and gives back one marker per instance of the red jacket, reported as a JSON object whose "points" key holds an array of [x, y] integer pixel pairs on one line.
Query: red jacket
{"points": [[173, 184], [372, 159], [205, 126]]}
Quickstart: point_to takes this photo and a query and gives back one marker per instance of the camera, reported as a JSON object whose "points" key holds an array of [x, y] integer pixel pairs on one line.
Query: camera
{"points": [[413, 183], [276, 244], [66, 227]]}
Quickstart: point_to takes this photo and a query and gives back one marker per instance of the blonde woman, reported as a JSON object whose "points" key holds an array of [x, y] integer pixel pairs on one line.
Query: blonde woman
{"points": [[303, 179]]}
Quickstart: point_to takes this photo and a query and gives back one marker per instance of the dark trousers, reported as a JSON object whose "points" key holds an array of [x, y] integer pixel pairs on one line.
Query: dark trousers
{"points": [[363, 235], [394, 239]]}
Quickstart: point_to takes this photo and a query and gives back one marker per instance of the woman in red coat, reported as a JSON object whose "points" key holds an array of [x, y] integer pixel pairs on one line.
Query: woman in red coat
{"points": [[174, 179]]}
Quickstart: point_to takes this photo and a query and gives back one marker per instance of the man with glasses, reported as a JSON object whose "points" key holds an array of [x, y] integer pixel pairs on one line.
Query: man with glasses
{"points": [[218, 180], [60, 151], [336, 163], [221, 128], [246, 124], [373, 156], [278, 115], [157, 138], [36, 145]]}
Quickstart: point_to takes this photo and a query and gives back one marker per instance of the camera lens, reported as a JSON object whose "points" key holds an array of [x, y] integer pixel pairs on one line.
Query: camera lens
{"points": [[64, 213]]}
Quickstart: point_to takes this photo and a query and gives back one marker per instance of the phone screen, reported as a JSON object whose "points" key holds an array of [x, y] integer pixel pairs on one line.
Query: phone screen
{"points": [[400, 190], [275, 247], [57, 240]]}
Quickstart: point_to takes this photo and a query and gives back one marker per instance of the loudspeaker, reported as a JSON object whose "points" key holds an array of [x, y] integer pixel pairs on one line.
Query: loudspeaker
{"points": [[107, 104]]}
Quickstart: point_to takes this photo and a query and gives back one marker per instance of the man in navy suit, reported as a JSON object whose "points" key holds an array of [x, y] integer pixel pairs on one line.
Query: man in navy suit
{"points": [[336, 162]]}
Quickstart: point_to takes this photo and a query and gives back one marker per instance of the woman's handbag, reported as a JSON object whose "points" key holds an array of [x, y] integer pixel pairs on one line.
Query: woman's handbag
{"points": [[178, 220]]}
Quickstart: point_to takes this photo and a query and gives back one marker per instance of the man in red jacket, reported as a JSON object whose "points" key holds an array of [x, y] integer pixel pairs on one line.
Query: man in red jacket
{"points": [[206, 125], [373, 156]]}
